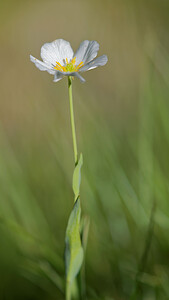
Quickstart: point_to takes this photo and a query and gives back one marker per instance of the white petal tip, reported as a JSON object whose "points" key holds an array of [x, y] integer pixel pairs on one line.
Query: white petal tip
{"points": [[31, 57]]}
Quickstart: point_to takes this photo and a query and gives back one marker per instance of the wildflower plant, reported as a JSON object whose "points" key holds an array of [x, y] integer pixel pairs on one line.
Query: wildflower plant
{"points": [[60, 61]]}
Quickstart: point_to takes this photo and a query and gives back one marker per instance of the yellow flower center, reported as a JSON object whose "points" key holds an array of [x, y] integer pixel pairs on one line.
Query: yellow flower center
{"points": [[69, 66]]}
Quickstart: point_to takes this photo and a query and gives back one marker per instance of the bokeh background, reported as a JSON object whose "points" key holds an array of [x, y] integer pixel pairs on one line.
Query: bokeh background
{"points": [[122, 120]]}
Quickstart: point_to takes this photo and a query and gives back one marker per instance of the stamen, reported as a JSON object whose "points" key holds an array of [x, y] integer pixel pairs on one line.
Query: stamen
{"points": [[69, 66], [58, 68], [58, 63], [80, 65], [73, 60]]}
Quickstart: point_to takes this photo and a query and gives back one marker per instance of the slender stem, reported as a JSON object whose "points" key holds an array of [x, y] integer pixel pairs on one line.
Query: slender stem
{"points": [[68, 291], [68, 285], [72, 120]]}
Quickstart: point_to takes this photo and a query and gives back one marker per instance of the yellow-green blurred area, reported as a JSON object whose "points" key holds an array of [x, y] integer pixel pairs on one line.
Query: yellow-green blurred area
{"points": [[122, 122]]}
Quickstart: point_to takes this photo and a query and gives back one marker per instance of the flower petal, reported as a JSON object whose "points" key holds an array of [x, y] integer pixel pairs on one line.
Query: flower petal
{"points": [[76, 74], [86, 51], [41, 65], [56, 51], [99, 61], [73, 74], [58, 76]]}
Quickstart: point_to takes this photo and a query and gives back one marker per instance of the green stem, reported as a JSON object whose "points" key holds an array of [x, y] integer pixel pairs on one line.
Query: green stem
{"points": [[68, 291], [72, 120], [68, 285]]}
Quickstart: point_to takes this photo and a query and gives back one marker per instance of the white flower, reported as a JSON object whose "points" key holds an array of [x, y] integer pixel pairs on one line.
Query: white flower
{"points": [[59, 59]]}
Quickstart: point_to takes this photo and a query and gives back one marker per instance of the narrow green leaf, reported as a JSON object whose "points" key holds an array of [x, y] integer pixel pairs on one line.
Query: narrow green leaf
{"points": [[77, 177], [73, 250]]}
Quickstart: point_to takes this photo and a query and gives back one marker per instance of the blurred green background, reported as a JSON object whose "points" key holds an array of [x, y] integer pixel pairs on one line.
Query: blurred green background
{"points": [[122, 120]]}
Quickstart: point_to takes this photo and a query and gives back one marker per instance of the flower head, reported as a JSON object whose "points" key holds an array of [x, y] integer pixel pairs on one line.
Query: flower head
{"points": [[60, 60]]}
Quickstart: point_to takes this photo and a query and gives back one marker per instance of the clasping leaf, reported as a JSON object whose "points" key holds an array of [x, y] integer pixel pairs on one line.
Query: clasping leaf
{"points": [[77, 177], [73, 250]]}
